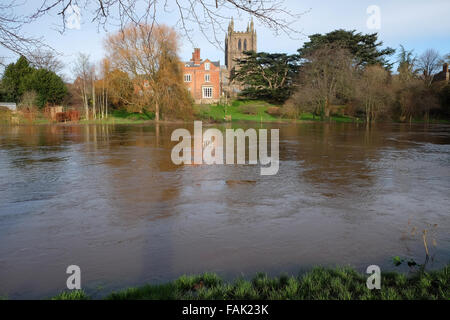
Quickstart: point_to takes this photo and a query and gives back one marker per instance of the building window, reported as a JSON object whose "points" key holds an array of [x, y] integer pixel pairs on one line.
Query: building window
{"points": [[239, 45], [207, 92], [187, 78], [245, 45], [207, 66], [207, 78]]}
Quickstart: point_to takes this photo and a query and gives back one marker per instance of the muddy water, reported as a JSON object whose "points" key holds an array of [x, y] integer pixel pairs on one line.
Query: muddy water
{"points": [[109, 199]]}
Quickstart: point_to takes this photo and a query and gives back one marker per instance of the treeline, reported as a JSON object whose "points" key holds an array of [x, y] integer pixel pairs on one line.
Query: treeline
{"points": [[31, 85], [141, 72], [341, 72], [350, 72]]}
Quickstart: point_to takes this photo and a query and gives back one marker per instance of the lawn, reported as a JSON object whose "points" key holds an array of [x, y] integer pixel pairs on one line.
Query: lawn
{"points": [[123, 117], [253, 110], [239, 110]]}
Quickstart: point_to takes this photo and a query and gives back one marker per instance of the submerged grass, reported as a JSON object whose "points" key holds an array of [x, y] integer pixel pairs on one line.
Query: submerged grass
{"points": [[341, 283]]}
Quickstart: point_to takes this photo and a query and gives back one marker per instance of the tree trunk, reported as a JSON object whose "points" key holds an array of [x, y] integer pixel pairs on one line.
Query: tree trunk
{"points": [[93, 99], [367, 113], [85, 101], [106, 104], [157, 111], [327, 108]]}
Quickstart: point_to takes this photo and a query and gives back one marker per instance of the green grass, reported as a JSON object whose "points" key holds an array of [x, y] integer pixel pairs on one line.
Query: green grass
{"points": [[239, 110], [72, 295], [253, 110], [307, 116], [123, 117], [116, 117], [112, 120], [217, 112], [341, 283]]}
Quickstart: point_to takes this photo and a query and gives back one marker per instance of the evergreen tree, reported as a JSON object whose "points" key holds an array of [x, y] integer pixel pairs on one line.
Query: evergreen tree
{"points": [[406, 64], [48, 85], [20, 77], [13, 81], [266, 76], [365, 47]]}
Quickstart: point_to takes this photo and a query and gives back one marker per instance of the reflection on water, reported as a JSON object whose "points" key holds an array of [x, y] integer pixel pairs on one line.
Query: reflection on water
{"points": [[109, 199]]}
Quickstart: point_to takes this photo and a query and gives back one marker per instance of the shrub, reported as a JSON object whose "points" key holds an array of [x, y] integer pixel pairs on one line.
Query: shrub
{"points": [[5, 115], [274, 111], [248, 109], [289, 111]]}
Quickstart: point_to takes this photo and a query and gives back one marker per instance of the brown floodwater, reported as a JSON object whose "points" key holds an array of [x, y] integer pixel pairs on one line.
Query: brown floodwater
{"points": [[108, 199]]}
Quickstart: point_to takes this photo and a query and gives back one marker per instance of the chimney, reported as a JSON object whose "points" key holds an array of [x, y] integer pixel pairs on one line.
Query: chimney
{"points": [[446, 73], [196, 56]]}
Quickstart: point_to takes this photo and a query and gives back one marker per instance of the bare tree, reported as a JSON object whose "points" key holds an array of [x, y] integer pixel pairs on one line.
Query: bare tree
{"points": [[149, 55], [46, 59], [93, 79], [325, 73], [11, 35], [374, 92], [105, 70], [206, 16], [82, 72], [28, 101], [429, 64]]}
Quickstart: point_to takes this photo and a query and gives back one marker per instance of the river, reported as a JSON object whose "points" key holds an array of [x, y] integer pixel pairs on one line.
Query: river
{"points": [[109, 199]]}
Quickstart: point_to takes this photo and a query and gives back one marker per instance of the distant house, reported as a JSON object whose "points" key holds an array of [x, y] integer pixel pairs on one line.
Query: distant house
{"points": [[140, 86], [10, 105], [53, 111], [443, 75], [202, 78]]}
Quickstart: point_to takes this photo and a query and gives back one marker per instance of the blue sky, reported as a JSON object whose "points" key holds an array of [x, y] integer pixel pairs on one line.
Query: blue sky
{"points": [[417, 25]]}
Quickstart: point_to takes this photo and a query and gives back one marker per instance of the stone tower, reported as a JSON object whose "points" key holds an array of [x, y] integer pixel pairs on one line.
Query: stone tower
{"points": [[236, 42]]}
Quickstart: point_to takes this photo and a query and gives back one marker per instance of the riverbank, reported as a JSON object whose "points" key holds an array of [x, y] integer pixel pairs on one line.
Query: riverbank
{"points": [[238, 110], [341, 283], [257, 111]]}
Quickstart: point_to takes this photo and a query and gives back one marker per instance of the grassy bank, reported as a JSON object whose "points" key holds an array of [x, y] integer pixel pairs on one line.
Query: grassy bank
{"points": [[342, 283], [238, 110], [115, 117], [253, 110], [122, 117]]}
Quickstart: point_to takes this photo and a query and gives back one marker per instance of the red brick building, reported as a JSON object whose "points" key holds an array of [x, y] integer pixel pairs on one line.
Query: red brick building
{"points": [[202, 78]]}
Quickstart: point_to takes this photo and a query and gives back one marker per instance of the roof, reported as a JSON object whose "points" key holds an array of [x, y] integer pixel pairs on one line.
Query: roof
{"points": [[441, 76], [9, 105], [191, 63]]}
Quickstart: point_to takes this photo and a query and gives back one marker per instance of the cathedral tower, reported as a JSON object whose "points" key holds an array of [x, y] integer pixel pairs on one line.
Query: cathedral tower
{"points": [[236, 42]]}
